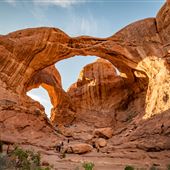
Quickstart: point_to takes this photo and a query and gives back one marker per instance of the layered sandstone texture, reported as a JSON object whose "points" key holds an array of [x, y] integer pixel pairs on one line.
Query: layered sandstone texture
{"points": [[98, 93], [134, 104]]}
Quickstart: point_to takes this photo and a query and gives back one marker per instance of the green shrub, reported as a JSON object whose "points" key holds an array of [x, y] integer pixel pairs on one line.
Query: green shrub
{"points": [[26, 159], [20, 159], [129, 167], [88, 165]]}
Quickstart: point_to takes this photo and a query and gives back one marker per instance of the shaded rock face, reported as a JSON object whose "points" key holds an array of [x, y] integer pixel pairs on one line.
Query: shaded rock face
{"points": [[25, 123], [98, 92], [63, 111], [135, 104]]}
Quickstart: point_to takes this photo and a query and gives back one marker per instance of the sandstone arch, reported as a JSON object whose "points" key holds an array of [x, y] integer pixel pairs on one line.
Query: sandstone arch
{"points": [[63, 110], [139, 46], [141, 50]]}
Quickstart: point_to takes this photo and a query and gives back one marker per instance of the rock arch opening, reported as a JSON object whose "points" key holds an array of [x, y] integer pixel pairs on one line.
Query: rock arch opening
{"points": [[31, 50], [70, 69], [141, 53], [41, 95], [92, 81], [101, 91]]}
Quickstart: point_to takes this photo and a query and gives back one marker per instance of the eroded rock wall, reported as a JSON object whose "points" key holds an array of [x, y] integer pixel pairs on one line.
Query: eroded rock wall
{"points": [[98, 92]]}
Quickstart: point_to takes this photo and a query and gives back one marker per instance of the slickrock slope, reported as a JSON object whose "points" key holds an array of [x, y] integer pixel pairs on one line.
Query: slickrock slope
{"points": [[141, 123]]}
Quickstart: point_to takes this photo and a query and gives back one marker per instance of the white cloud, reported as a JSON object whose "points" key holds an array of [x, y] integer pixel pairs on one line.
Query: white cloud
{"points": [[61, 3], [11, 2]]}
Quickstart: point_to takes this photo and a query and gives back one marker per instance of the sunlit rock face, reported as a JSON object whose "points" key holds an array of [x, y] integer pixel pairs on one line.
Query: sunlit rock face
{"points": [[139, 105]]}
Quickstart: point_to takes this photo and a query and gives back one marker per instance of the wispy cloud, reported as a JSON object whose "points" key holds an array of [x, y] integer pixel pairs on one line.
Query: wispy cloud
{"points": [[40, 15], [88, 25], [11, 2], [81, 25], [61, 3]]}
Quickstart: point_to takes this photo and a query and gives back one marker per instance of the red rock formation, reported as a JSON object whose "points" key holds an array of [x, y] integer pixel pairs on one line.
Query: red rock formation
{"points": [[50, 79], [98, 92], [23, 50], [63, 111], [140, 51]]}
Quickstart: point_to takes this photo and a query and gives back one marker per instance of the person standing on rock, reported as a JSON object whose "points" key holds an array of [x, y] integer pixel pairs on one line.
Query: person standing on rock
{"points": [[59, 147]]}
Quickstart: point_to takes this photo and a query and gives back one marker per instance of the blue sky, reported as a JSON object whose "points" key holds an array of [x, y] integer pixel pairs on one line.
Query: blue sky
{"points": [[101, 18]]}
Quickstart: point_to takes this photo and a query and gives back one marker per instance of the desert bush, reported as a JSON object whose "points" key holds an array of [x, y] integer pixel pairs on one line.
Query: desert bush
{"points": [[6, 163], [88, 165], [20, 159], [129, 167]]}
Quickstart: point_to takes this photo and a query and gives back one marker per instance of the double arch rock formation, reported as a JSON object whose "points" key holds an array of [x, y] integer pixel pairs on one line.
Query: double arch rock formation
{"points": [[141, 47], [140, 51]]}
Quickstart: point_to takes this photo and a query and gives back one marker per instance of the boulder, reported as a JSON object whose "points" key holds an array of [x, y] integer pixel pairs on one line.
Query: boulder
{"points": [[79, 148], [100, 142], [104, 132]]}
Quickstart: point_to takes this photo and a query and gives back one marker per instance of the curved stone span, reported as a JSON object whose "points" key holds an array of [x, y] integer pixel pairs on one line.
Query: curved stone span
{"points": [[63, 111], [50, 79], [129, 103], [140, 47]]}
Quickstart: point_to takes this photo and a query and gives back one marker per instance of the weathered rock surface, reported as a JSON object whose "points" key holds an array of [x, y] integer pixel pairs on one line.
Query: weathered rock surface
{"points": [[78, 148], [139, 51], [104, 132], [25, 124], [98, 92], [100, 142]]}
